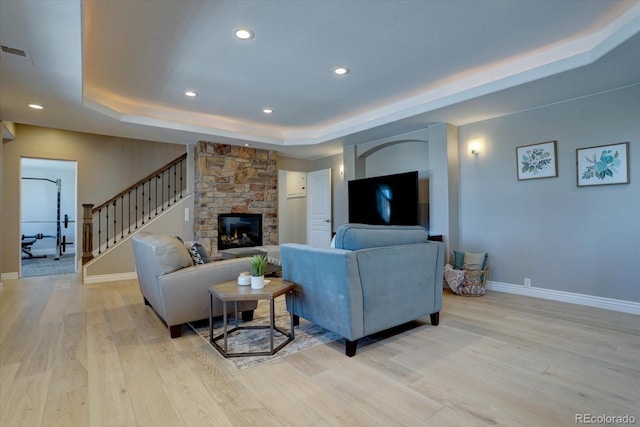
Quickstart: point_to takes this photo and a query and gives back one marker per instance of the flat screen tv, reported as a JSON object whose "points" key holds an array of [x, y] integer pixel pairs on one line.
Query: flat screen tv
{"points": [[384, 200]]}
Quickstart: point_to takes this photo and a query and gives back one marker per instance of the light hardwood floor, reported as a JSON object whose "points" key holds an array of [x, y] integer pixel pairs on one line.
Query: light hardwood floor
{"points": [[95, 355]]}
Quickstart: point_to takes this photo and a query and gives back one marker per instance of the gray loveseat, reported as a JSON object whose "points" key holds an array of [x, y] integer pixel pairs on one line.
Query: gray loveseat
{"points": [[177, 289], [375, 278]]}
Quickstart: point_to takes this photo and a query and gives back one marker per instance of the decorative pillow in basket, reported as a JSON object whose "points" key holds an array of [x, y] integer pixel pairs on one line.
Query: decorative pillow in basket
{"points": [[468, 276]]}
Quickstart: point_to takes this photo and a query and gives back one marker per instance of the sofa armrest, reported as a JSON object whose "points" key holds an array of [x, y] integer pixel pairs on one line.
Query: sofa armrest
{"points": [[185, 293], [400, 283], [328, 290]]}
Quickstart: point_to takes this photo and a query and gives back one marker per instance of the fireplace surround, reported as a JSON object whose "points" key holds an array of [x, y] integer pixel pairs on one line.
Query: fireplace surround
{"points": [[232, 179], [239, 230]]}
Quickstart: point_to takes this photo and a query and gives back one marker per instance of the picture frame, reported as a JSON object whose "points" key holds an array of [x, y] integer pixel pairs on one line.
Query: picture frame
{"points": [[603, 165], [536, 161]]}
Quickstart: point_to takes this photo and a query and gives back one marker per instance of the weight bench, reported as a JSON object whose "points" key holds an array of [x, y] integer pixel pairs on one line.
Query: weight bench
{"points": [[26, 248], [28, 241]]}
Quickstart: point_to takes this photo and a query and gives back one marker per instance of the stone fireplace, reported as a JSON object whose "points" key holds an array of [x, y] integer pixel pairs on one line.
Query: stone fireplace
{"points": [[234, 180]]}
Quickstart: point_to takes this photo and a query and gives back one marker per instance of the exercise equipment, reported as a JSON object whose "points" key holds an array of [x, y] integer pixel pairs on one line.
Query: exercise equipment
{"points": [[61, 241], [28, 241]]}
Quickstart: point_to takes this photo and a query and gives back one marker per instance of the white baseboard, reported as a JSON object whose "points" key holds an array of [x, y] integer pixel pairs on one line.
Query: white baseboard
{"points": [[100, 278], [581, 299], [10, 276]]}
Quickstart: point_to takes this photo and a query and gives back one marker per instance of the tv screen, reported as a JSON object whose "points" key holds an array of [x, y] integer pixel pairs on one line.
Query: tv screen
{"points": [[384, 200]]}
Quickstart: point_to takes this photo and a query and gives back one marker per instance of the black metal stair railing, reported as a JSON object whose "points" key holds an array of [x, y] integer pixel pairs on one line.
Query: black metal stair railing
{"points": [[105, 225]]}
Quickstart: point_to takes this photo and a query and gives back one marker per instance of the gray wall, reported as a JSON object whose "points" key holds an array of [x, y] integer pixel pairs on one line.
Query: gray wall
{"points": [[580, 240], [404, 157]]}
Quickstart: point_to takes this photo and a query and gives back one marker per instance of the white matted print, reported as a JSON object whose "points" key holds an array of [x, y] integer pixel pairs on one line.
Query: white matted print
{"points": [[537, 161], [603, 165]]}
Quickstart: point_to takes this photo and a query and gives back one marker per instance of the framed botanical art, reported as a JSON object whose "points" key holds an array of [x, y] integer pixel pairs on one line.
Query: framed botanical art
{"points": [[603, 165], [537, 161]]}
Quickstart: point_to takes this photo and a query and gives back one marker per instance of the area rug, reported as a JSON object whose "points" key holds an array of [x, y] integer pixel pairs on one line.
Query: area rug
{"points": [[307, 335]]}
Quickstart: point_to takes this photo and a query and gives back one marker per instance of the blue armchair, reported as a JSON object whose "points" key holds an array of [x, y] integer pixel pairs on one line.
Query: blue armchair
{"points": [[375, 278]]}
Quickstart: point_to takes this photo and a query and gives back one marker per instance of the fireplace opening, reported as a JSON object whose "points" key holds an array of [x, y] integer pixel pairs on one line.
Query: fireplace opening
{"points": [[239, 230]]}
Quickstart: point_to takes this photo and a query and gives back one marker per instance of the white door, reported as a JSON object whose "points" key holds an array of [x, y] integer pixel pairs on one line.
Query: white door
{"points": [[319, 208]]}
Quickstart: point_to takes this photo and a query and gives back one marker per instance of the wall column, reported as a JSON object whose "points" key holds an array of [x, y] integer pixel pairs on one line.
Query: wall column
{"points": [[443, 183]]}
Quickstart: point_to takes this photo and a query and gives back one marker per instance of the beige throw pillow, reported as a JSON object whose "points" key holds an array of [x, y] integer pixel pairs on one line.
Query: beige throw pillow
{"points": [[473, 261], [171, 255]]}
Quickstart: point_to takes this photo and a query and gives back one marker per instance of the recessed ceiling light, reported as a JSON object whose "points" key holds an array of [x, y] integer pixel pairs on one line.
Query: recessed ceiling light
{"points": [[244, 34], [267, 111], [36, 106], [247, 145], [341, 71], [191, 93]]}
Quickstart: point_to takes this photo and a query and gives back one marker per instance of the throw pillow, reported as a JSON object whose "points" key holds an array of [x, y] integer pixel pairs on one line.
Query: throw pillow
{"points": [[198, 253], [453, 277], [458, 260], [474, 261], [171, 255]]}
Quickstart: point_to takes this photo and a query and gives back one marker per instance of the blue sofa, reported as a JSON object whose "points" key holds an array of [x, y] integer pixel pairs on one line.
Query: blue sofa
{"points": [[375, 278]]}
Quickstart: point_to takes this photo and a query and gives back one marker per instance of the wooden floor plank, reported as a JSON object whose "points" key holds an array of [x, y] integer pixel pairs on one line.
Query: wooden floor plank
{"points": [[73, 354], [109, 400]]}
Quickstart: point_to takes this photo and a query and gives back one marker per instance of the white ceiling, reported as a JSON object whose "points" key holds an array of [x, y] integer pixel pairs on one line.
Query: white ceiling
{"points": [[122, 67]]}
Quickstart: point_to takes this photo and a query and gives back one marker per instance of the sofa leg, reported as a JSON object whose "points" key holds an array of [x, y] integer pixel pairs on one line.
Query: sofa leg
{"points": [[247, 316], [435, 318], [146, 301], [350, 347], [296, 320], [175, 331]]}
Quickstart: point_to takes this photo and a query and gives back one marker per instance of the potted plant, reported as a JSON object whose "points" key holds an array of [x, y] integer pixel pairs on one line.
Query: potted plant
{"points": [[258, 264]]}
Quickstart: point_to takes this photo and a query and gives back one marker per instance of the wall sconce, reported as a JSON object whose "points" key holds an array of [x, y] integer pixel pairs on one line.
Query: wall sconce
{"points": [[341, 170], [475, 146]]}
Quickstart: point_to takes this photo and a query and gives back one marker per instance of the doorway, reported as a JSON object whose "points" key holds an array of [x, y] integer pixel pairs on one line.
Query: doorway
{"points": [[48, 231]]}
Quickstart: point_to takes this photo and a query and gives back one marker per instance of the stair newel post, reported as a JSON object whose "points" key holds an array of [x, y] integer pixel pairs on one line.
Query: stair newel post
{"points": [[87, 232]]}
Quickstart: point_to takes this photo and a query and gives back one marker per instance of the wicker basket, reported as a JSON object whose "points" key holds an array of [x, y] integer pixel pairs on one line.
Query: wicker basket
{"points": [[475, 283]]}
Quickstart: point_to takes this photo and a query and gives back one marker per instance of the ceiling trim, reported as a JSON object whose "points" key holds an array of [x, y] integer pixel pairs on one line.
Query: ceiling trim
{"points": [[457, 88]]}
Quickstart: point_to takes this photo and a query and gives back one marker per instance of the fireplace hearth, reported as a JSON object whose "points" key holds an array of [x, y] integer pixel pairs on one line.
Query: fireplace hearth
{"points": [[239, 230]]}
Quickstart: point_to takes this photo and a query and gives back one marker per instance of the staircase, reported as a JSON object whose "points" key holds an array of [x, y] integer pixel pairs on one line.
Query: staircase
{"points": [[108, 224]]}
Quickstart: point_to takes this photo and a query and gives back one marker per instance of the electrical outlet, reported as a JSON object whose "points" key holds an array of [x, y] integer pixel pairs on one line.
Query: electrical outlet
{"points": [[186, 214], [527, 282]]}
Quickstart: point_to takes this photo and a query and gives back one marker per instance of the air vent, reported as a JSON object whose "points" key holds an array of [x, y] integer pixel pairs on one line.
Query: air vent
{"points": [[14, 51]]}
